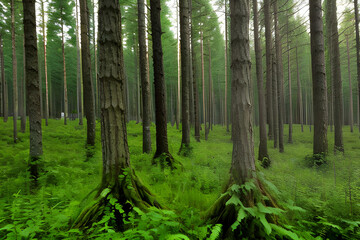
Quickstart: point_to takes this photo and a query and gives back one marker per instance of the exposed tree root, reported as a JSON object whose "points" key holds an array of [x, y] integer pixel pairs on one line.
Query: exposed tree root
{"points": [[166, 160], [128, 192]]}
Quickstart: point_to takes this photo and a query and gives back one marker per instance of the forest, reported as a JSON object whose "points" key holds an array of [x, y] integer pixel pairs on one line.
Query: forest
{"points": [[179, 119]]}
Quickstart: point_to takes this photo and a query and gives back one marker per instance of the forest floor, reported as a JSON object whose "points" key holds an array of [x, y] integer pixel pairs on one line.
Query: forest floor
{"points": [[325, 199]]}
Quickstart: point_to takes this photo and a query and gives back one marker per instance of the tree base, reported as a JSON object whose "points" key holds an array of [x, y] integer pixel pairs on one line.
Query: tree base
{"points": [[166, 160], [117, 199], [185, 150], [264, 160]]}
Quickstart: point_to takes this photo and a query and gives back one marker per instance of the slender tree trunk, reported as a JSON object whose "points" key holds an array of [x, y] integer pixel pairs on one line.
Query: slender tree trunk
{"points": [[290, 140], [22, 101], [280, 78], [97, 92], [45, 64], [209, 93], [137, 83], [275, 100], [32, 86], [78, 72], [14, 71], [203, 79], [185, 73], [88, 89], [269, 87], [3, 82], [64, 70], [191, 74], [319, 79], [226, 68], [351, 112], [145, 84], [357, 55], [160, 97], [178, 99], [299, 94], [336, 73], [263, 152]]}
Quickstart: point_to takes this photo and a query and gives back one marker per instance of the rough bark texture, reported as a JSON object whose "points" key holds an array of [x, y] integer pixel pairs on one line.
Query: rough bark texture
{"points": [[185, 74], [331, 19], [280, 78], [45, 64], [162, 148], [226, 68], [356, 7], [299, 94], [97, 91], [269, 91], [88, 88], [319, 79], [351, 110], [263, 153], [32, 85], [203, 80], [22, 100], [78, 72], [145, 84], [14, 71], [275, 100], [3, 82], [178, 96]]}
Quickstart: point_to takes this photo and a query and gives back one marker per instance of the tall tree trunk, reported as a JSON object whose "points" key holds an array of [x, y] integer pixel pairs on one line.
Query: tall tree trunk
{"points": [[64, 71], [299, 94], [263, 152], [14, 71], [178, 99], [3, 82], [203, 80], [137, 83], [318, 77], [32, 86], [289, 85], [209, 93], [45, 64], [185, 74], [269, 82], [196, 95], [97, 92], [89, 103], [351, 111], [145, 84], [226, 68], [22, 102], [162, 148], [275, 100], [78, 72], [357, 54], [191, 74], [336, 73], [280, 78]]}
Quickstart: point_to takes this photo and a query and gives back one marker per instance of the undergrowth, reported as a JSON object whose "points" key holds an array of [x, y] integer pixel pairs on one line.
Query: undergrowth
{"points": [[318, 201]]}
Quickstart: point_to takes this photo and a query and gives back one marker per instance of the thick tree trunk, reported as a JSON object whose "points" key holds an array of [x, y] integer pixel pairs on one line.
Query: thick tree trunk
{"points": [[178, 99], [22, 100], [275, 100], [78, 72], [226, 68], [290, 140], [299, 94], [280, 78], [97, 92], [319, 79], [14, 71], [263, 152], [162, 148], [357, 54], [64, 71], [269, 82], [45, 64], [351, 110], [185, 74], [88, 89], [336, 73], [3, 82], [145, 84], [32, 86]]}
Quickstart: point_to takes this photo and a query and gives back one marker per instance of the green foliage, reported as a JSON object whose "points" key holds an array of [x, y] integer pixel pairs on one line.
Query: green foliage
{"points": [[315, 160]]}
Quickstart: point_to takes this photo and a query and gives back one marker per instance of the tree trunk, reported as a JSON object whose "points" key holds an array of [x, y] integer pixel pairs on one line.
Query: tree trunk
{"points": [[269, 87], [32, 86], [64, 70], [226, 68], [280, 78], [3, 82], [185, 74], [178, 100], [336, 73], [88, 89], [263, 152], [145, 84], [78, 72], [357, 54], [299, 94], [45, 64], [137, 83], [319, 79], [203, 80], [22, 102], [290, 140], [97, 92], [209, 93], [162, 148], [275, 100], [14, 71], [351, 111]]}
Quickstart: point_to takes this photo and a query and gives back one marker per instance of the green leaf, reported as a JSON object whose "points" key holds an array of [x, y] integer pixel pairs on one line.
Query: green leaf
{"points": [[234, 200], [235, 188], [265, 224], [105, 192], [8, 227], [241, 215], [178, 236], [283, 232]]}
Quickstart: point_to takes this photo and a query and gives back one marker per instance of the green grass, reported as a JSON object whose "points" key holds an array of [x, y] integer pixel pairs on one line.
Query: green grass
{"points": [[69, 176]]}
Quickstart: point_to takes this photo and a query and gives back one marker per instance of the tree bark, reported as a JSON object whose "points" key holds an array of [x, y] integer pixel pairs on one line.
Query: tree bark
{"points": [[78, 72], [22, 100], [64, 72], [145, 84], [357, 54], [203, 80], [299, 94], [351, 110], [3, 82], [275, 100], [263, 152], [336, 73], [269, 90], [178, 100], [185, 74], [280, 78], [319, 79], [97, 92], [45, 64], [226, 68], [32, 86], [14, 71], [290, 140]]}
